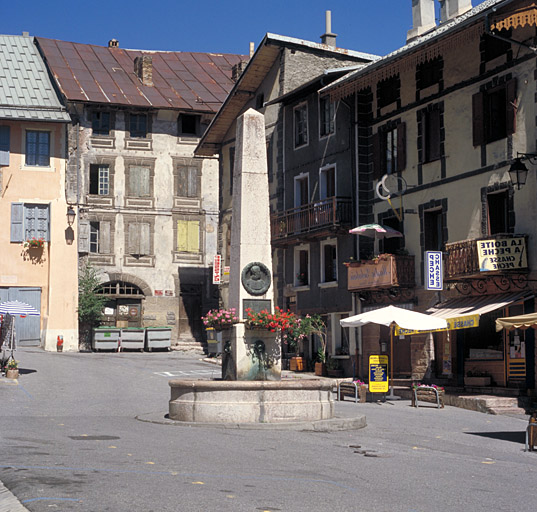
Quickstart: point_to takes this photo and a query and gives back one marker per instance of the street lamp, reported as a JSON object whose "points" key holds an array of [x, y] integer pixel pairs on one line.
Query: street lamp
{"points": [[518, 172], [70, 215]]}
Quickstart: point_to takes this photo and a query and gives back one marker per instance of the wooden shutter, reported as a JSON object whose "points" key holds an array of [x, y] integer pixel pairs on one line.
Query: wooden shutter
{"points": [[182, 235], [376, 157], [401, 147], [432, 138], [17, 222], [104, 237], [30, 221], [478, 120], [193, 236], [4, 145], [511, 105], [145, 238], [43, 221], [139, 181], [182, 181], [192, 182], [133, 239], [83, 235], [139, 241]]}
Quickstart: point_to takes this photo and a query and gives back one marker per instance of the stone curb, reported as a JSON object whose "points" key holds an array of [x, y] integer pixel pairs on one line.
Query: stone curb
{"points": [[8, 501], [329, 425]]}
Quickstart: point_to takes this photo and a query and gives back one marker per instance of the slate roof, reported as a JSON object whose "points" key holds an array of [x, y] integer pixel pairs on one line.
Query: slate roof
{"points": [[26, 92], [181, 80]]}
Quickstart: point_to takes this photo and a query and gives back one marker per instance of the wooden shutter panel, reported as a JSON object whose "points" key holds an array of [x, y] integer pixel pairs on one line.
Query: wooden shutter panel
{"points": [[104, 237], [17, 222], [30, 218], [42, 224], [193, 236], [133, 239], [139, 181], [182, 181], [182, 235], [433, 139], [377, 156], [511, 105], [4, 145], [478, 121], [401, 147], [83, 235], [145, 240], [192, 182]]}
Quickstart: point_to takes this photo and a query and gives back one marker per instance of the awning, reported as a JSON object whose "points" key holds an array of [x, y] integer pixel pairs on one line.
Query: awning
{"points": [[517, 322], [464, 312]]}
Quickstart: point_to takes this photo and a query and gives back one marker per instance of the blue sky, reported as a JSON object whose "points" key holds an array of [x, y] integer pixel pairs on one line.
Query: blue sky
{"points": [[372, 26]]}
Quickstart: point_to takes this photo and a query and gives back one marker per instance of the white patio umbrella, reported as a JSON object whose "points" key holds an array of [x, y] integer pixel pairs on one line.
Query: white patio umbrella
{"points": [[17, 308], [390, 316]]}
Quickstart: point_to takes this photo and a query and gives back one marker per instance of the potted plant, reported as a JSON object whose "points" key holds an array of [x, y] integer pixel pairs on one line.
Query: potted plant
{"points": [[34, 243], [220, 319], [477, 378], [333, 368], [12, 369], [320, 364]]}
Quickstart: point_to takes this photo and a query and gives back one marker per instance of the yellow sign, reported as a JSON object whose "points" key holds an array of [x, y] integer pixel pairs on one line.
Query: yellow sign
{"points": [[453, 324], [378, 374], [502, 254]]}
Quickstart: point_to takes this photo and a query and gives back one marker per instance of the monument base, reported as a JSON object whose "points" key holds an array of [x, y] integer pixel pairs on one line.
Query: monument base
{"points": [[205, 401]]}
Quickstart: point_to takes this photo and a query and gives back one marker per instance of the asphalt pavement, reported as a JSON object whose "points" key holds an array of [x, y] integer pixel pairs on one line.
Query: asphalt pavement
{"points": [[70, 441]]}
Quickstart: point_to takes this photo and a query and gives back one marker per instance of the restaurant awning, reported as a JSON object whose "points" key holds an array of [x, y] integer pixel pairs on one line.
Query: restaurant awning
{"points": [[517, 322], [464, 312]]}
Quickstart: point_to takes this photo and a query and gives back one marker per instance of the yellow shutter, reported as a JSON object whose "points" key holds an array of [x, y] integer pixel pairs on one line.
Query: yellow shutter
{"points": [[182, 226], [193, 236]]}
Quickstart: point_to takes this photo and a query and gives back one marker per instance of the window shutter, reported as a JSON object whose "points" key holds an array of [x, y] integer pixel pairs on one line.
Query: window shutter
{"points": [[30, 222], [377, 167], [17, 218], [145, 240], [511, 105], [192, 182], [139, 181], [193, 236], [433, 138], [182, 181], [133, 239], [4, 145], [182, 227], [42, 224], [83, 235], [478, 119], [104, 237], [401, 147]]}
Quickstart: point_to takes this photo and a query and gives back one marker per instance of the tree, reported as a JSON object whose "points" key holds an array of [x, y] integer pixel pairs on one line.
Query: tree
{"points": [[90, 304]]}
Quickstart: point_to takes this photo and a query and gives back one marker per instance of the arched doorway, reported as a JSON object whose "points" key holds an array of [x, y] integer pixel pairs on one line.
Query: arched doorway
{"points": [[124, 305]]}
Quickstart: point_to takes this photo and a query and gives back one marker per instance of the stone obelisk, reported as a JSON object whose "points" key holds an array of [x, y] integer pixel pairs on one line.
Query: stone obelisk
{"points": [[251, 354]]}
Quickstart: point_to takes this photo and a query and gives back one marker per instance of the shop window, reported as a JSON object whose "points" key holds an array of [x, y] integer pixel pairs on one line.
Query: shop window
{"points": [[483, 342]]}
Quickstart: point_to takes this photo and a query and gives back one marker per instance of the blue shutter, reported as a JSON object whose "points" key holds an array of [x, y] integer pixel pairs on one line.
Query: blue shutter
{"points": [[4, 145], [17, 217], [42, 222]]}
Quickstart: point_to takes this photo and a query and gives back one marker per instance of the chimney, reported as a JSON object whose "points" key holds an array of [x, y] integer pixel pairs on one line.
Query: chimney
{"points": [[26, 34], [450, 9], [328, 38], [252, 49], [143, 67], [237, 69], [113, 43], [423, 18]]}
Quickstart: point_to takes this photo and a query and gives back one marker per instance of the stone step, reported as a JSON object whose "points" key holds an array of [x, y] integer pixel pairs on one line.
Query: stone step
{"points": [[506, 410]]}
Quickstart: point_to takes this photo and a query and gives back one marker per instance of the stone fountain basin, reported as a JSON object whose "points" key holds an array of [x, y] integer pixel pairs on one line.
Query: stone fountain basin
{"points": [[219, 401]]}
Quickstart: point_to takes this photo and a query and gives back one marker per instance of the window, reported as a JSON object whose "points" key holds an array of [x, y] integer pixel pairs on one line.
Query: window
{"points": [[301, 125], [139, 238], [389, 150], [139, 181], [138, 126], [328, 182], [38, 148], [326, 115], [430, 133], [433, 229], [30, 221], [388, 91], [99, 180], [302, 265], [99, 237], [4, 145], [100, 123], [301, 190], [259, 101], [392, 245], [187, 181], [189, 125], [328, 261], [494, 113], [497, 211], [188, 235]]}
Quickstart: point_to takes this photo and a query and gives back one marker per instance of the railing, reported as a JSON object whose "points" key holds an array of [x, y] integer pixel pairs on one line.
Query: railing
{"points": [[327, 213], [385, 271]]}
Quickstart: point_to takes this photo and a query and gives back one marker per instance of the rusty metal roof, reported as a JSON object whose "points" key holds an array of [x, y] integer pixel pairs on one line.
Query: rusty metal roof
{"points": [[98, 74]]}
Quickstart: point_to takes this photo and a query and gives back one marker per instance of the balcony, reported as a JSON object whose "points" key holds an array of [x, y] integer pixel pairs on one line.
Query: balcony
{"points": [[478, 257], [383, 272], [312, 220]]}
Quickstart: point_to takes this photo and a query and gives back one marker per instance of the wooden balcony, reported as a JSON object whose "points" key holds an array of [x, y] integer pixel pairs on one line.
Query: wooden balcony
{"points": [[312, 220], [385, 271], [507, 253]]}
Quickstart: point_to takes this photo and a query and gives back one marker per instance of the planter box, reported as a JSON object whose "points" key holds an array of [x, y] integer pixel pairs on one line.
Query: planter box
{"points": [[12, 374], [477, 381], [320, 369], [296, 364], [428, 395], [359, 393]]}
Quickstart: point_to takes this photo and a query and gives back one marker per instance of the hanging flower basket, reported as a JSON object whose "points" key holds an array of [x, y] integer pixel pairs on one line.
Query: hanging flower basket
{"points": [[34, 243]]}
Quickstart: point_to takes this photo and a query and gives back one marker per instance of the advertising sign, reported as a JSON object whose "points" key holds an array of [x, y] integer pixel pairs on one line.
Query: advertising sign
{"points": [[217, 268], [502, 254], [434, 270], [454, 323], [370, 276], [378, 374]]}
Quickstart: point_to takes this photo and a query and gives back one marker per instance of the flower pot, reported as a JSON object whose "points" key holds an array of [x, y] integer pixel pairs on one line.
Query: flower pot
{"points": [[296, 364], [320, 369], [12, 374], [362, 393]]}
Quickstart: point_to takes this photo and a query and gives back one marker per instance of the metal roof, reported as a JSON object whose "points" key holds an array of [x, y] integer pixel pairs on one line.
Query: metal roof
{"points": [[26, 92], [252, 77], [181, 80], [418, 43]]}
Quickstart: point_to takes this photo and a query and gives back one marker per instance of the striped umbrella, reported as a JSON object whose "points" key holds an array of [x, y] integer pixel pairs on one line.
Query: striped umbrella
{"points": [[376, 231], [16, 308]]}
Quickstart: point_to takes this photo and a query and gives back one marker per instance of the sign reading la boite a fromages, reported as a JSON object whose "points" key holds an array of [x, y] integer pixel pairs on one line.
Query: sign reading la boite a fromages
{"points": [[502, 254]]}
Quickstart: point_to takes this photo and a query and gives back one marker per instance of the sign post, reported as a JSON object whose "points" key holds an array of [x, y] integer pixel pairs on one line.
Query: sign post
{"points": [[378, 374]]}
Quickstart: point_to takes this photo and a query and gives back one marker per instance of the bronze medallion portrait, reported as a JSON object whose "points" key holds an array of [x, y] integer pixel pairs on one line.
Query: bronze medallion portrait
{"points": [[255, 278]]}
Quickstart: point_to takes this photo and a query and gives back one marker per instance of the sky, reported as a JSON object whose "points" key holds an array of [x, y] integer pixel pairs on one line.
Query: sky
{"points": [[371, 26]]}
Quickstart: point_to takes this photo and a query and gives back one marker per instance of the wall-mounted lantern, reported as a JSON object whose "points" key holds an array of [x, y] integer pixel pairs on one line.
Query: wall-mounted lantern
{"points": [[518, 172]]}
